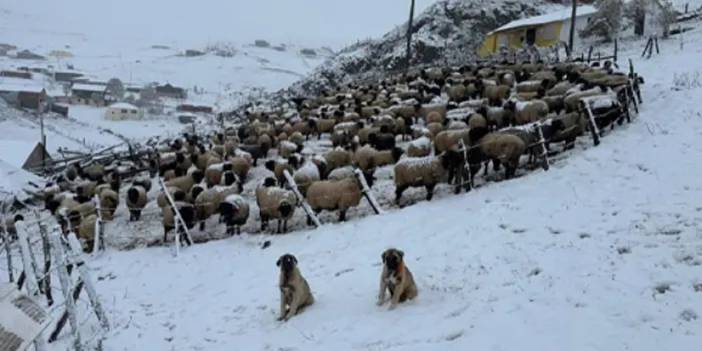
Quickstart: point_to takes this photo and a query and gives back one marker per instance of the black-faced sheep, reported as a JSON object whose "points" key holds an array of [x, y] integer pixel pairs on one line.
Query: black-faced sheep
{"points": [[526, 112], [368, 158], [109, 200], [275, 203], [187, 213], [332, 195], [136, 201], [186, 182], [337, 158], [207, 202], [234, 212], [424, 172]]}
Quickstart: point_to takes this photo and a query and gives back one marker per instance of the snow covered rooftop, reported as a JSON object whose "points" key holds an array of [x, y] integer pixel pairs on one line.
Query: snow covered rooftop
{"points": [[124, 105], [17, 84], [547, 18], [88, 87]]}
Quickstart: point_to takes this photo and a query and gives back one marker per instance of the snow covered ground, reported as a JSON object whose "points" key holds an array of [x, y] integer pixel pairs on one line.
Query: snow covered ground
{"points": [[602, 252]]}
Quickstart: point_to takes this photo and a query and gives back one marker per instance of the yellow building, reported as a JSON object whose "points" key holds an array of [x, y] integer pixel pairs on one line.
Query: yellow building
{"points": [[542, 31]]}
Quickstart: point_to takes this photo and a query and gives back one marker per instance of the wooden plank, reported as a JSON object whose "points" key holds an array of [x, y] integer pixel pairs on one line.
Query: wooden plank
{"points": [[78, 260], [60, 258], [6, 239], [179, 220], [301, 200], [594, 130], [31, 278], [366, 191]]}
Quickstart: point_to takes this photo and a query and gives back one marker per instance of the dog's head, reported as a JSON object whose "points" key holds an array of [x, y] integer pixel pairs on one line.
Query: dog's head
{"points": [[392, 258], [287, 263]]}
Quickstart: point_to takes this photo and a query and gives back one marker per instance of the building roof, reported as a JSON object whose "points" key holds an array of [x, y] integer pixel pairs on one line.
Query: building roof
{"points": [[19, 84], [89, 87], [547, 18], [123, 105]]}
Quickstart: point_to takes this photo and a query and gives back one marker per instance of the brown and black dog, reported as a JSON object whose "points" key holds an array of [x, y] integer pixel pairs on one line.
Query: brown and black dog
{"points": [[295, 293], [396, 278]]}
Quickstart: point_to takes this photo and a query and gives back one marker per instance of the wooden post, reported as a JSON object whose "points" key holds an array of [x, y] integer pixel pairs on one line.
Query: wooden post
{"points": [[300, 199], [77, 255], [594, 130], [97, 242], [633, 96], [179, 222], [31, 278], [46, 248], [60, 258], [616, 49], [466, 165], [589, 54], [365, 190], [571, 39], [648, 44], [409, 38], [655, 39], [6, 239], [545, 164]]}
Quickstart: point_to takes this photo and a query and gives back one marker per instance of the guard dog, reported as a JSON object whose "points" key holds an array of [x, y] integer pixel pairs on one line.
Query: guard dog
{"points": [[295, 293], [396, 279]]}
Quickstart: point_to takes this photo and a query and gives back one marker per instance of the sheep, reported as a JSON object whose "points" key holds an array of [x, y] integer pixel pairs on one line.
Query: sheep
{"points": [[383, 140], [323, 126], [55, 202], [333, 195], [186, 182], [504, 148], [142, 182], [213, 173], [337, 158], [288, 148], [306, 175], [298, 139], [85, 231], [496, 93], [529, 86], [527, 112], [84, 209], [450, 138], [256, 152], [275, 203], [109, 200], [94, 172], [572, 99], [208, 201], [10, 226], [560, 89], [433, 112], [136, 201], [187, 213], [175, 193], [204, 159], [241, 166], [234, 212], [368, 158], [365, 132], [435, 129], [566, 128], [86, 190], [342, 173], [420, 172], [419, 147], [278, 168]]}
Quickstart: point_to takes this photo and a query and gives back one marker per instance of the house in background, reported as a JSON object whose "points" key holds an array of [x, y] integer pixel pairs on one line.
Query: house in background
{"points": [[171, 91], [23, 93], [90, 94], [66, 76], [540, 31], [28, 55], [123, 111], [16, 74]]}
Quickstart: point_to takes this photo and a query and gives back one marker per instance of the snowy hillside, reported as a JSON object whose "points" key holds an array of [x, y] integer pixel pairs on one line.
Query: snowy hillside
{"points": [[602, 252]]}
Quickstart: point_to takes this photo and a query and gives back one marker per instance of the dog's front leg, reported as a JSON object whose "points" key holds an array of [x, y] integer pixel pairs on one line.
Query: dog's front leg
{"points": [[294, 305], [395, 298], [282, 305], [381, 293]]}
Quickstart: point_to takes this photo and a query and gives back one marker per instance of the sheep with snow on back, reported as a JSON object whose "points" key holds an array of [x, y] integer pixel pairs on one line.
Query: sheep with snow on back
{"points": [[136, 201], [337, 158], [175, 193], [279, 166], [368, 158], [573, 97], [288, 148], [331, 195], [424, 172], [207, 202], [234, 212], [420, 147], [186, 182], [383, 140], [306, 175], [275, 203], [504, 148], [523, 112], [213, 173]]}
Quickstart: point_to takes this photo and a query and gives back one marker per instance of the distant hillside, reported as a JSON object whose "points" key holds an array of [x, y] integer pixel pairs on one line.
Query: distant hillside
{"points": [[447, 32]]}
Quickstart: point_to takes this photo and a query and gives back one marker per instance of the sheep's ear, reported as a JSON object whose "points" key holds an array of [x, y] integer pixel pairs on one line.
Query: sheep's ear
{"points": [[277, 263]]}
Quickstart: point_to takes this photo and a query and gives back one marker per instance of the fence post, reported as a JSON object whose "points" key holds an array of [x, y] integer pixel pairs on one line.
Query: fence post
{"points": [[6, 239], [32, 285], [544, 152], [300, 199], [616, 49], [60, 258], [594, 130], [97, 242], [77, 254], [589, 54], [46, 280], [658, 51], [179, 222], [367, 192]]}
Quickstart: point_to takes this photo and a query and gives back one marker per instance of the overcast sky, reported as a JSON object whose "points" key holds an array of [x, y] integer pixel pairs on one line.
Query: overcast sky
{"points": [[312, 22]]}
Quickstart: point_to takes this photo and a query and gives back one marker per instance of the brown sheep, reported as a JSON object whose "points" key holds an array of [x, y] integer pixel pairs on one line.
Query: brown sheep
{"points": [[505, 148], [136, 201], [334, 195], [337, 158], [275, 203], [527, 112], [184, 183]]}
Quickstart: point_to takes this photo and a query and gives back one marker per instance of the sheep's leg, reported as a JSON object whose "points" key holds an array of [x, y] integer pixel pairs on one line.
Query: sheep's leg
{"points": [[279, 223], [398, 194], [430, 191], [165, 234], [202, 225], [285, 226], [342, 215]]}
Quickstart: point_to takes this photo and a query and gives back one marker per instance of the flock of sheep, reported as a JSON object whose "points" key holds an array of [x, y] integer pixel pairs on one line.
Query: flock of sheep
{"points": [[432, 126]]}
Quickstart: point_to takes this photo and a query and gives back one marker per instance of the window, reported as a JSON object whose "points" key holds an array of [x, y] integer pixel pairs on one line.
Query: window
{"points": [[134, 112], [124, 110], [531, 36]]}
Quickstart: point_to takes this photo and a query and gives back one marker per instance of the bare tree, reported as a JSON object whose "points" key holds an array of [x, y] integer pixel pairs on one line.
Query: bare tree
{"points": [[409, 37], [573, 15], [607, 22], [115, 88]]}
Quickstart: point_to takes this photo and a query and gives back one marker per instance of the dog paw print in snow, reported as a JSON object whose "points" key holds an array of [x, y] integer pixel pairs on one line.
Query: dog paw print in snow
{"points": [[698, 287], [662, 288], [622, 250]]}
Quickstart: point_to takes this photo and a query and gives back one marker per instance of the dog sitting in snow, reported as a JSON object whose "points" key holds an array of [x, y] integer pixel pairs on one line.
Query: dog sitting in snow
{"points": [[396, 279], [295, 293]]}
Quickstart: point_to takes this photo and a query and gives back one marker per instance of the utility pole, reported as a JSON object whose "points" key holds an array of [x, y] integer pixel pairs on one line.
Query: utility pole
{"points": [[409, 38], [572, 26]]}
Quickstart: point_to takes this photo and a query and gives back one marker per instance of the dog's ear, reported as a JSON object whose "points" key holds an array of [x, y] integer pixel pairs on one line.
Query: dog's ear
{"points": [[294, 258], [402, 254], [277, 263], [382, 257]]}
